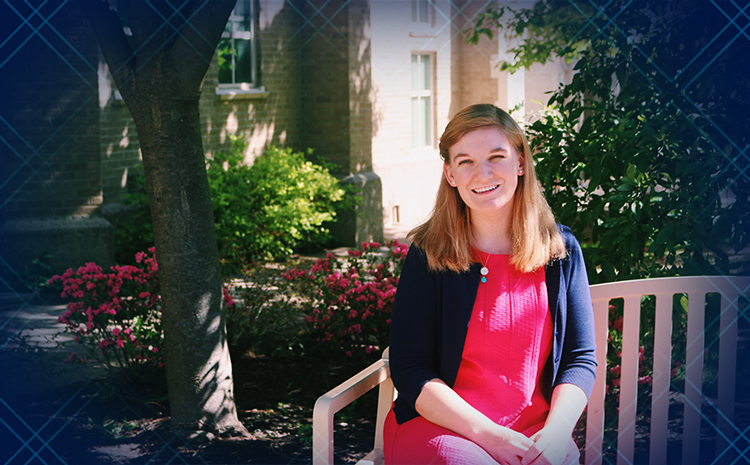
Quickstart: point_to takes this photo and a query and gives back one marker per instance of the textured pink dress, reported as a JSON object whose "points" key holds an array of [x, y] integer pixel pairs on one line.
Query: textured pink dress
{"points": [[501, 374]]}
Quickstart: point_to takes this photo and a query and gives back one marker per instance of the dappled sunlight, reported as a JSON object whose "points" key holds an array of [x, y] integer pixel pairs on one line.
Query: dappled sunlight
{"points": [[105, 84], [125, 141], [124, 179], [260, 136], [232, 123], [268, 13], [215, 389]]}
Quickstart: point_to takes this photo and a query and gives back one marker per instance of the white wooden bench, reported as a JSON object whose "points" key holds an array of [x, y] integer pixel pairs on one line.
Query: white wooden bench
{"points": [[733, 291]]}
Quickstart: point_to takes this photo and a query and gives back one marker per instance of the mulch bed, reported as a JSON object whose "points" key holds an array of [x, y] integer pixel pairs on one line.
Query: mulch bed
{"points": [[63, 418]]}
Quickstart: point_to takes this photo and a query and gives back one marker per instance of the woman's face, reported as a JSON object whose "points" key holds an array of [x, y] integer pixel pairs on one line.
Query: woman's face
{"points": [[484, 167]]}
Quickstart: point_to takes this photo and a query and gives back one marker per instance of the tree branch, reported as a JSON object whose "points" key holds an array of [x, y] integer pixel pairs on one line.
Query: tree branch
{"points": [[199, 36], [151, 31], [112, 40]]}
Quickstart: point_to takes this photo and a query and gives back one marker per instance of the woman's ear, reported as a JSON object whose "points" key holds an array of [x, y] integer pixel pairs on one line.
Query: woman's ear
{"points": [[447, 172], [521, 169]]}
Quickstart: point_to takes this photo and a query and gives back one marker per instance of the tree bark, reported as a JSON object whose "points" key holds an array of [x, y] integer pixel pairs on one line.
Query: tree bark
{"points": [[161, 84]]}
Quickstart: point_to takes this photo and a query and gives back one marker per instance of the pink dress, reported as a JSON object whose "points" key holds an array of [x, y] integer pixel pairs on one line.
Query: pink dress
{"points": [[501, 374]]}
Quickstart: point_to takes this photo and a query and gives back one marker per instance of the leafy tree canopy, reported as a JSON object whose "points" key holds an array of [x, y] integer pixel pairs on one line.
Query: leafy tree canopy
{"points": [[644, 153]]}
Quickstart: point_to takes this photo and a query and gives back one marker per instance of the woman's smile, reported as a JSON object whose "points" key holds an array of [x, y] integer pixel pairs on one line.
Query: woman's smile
{"points": [[484, 190]]}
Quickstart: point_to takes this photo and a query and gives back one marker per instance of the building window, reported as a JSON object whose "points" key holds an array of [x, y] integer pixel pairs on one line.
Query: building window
{"points": [[421, 11], [421, 100], [238, 47]]}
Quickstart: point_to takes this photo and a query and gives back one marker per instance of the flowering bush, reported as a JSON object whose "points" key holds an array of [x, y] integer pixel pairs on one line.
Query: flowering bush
{"points": [[115, 316], [352, 296]]}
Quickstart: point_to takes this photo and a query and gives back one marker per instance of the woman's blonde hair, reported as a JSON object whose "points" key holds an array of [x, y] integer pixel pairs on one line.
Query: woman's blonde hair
{"points": [[446, 236]]}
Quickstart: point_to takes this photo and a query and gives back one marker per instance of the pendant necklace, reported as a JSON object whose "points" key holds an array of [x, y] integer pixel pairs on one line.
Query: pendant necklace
{"points": [[484, 271]]}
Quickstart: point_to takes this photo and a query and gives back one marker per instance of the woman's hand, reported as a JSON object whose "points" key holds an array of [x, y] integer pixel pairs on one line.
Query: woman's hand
{"points": [[549, 448], [551, 442], [505, 445]]}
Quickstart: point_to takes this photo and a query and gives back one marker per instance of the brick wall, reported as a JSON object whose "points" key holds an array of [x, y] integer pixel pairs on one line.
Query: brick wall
{"points": [[50, 156], [324, 52], [51, 177]]}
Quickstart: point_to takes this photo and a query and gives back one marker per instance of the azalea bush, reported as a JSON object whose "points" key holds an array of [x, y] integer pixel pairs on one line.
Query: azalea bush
{"points": [[115, 316], [352, 296]]}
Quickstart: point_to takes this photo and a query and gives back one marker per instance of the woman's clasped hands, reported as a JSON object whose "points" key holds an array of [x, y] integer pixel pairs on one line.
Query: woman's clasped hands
{"points": [[513, 448]]}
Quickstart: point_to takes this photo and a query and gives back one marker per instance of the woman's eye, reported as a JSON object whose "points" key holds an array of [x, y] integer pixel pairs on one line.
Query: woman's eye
{"points": [[463, 162]]}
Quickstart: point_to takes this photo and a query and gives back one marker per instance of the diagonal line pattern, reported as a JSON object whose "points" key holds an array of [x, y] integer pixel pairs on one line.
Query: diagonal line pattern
{"points": [[610, 21], [35, 434]]}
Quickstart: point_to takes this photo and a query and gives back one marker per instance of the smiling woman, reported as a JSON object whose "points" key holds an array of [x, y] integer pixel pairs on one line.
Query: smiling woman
{"points": [[510, 386]]}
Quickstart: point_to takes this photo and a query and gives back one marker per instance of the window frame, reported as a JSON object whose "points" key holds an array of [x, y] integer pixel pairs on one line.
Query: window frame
{"points": [[254, 83], [420, 94], [415, 12]]}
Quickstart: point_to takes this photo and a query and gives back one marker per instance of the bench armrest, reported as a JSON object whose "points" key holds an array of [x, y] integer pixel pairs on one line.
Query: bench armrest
{"points": [[342, 395]]}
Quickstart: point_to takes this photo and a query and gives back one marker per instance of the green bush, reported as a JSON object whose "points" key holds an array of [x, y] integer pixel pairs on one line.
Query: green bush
{"points": [[135, 233], [262, 316], [265, 211]]}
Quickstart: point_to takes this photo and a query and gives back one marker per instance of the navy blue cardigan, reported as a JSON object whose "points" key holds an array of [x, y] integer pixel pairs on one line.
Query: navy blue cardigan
{"points": [[431, 316]]}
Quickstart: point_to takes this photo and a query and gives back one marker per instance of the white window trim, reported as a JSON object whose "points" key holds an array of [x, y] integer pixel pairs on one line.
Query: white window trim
{"points": [[240, 91], [427, 93]]}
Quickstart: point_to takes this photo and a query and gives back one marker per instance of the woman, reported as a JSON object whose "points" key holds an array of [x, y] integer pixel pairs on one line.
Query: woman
{"points": [[492, 339]]}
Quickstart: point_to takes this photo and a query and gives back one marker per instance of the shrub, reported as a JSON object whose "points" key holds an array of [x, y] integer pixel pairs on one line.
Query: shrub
{"points": [[352, 296], [116, 317], [266, 211], [262, 317]]}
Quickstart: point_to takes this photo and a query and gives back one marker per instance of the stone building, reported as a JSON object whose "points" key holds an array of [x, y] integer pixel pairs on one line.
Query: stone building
{"points": [[367, 84]]}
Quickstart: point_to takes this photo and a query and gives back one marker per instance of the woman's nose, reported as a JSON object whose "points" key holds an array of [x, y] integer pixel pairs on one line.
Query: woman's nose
{"points": [[484, 170]]}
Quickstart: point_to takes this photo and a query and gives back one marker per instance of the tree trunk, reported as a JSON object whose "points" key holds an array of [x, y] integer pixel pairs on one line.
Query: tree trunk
{"points": [[159, 71], [199, 371]]}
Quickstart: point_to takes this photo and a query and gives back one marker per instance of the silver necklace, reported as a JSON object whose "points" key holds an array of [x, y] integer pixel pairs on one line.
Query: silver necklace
{"points": [[484, 271]]}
